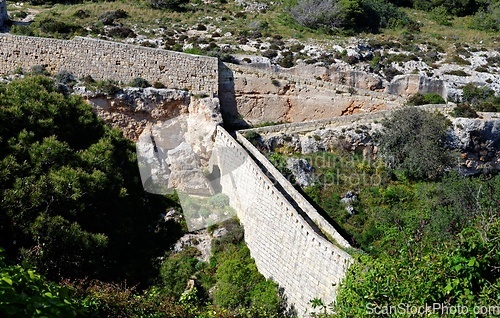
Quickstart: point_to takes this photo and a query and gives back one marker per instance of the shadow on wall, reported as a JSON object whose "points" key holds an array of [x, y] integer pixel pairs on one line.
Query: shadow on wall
{"points": [[227, 97], [287, 309]]}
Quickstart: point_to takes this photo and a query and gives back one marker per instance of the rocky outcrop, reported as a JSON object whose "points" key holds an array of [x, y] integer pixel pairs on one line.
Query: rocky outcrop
{"points": [[301, 171], [258, 96], [411, 84], [133, 109], [477, 141], [479, 144], [338, 74]]}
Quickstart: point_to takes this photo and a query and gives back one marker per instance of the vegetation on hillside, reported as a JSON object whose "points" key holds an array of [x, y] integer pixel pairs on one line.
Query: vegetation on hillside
{"points": [[79, 237], [427, 235], [289, 19], [71, 190]]}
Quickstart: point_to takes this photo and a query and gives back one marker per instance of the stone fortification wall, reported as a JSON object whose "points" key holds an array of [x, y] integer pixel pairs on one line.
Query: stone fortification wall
{"points": [[259, 95], [286, 245], [338, 121], [310, 213], [110, 60]]}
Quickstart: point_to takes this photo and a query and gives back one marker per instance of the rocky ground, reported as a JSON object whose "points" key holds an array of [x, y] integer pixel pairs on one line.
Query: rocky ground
{"points": [[476, 140]]}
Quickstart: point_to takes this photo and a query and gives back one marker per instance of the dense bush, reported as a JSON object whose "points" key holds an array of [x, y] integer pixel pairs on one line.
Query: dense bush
{"points": [[231, 276], [54, 26], [424, 99], [25, 293], [455, 7], [139, 82], [448, 253], [412, 140], [481, 98], [317, 14], [464, 110], [176, 270], [121, 32], [49, 27], [70, 190], [487, 19], [109, 17], [379, 14], [175, 5], [240, 285]]}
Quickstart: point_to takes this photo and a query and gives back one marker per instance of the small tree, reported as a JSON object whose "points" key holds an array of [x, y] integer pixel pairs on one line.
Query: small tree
{"points": [[413, 141]]}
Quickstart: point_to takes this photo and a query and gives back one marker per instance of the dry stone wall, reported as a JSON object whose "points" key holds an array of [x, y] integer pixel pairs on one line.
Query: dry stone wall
{"points": [[286, 246], [110, 60]]}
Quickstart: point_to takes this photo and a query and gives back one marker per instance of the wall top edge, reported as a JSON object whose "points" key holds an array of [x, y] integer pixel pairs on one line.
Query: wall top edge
{"points": [[87, 39]]}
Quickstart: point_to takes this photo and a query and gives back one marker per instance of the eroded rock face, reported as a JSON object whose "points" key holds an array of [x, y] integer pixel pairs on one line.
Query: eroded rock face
{"points": [[134, 109], [301, 170], [411, 84], [479, 144], [261, 99]]}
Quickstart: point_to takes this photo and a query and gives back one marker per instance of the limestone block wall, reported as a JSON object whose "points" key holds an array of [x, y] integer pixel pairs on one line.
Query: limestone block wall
{"points": [[110, 60], [285, 245]]}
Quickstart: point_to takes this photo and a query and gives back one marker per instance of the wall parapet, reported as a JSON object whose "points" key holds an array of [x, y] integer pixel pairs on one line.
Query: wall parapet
{"points": [[110, 60], [285, 246], [307, 207]]}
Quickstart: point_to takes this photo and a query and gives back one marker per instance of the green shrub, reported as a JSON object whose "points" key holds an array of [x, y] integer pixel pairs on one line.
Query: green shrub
{"points": [[240, 285], [441, 16], [139, 82], [158, 85], [175, 5], [65, 78], [108, 87], [458, 60], [176, 270], [457, 73], [18, 15], [219, 200], [378, 14], [54, 27], [487, 19], [25, 293], [109, 17], [391, 72], [39, 70], [370, 15], [464, 110], [481, 98], [424, 99], [270, 54], [121, 32], [412, 140], [286, 60]]}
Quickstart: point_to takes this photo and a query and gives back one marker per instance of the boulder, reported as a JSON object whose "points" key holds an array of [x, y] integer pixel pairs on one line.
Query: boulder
{"points": [[301, 170], [411, 84]]}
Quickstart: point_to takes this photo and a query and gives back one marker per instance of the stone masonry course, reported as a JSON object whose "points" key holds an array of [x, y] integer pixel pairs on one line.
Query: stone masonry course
{"points": [[110, 60]]}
